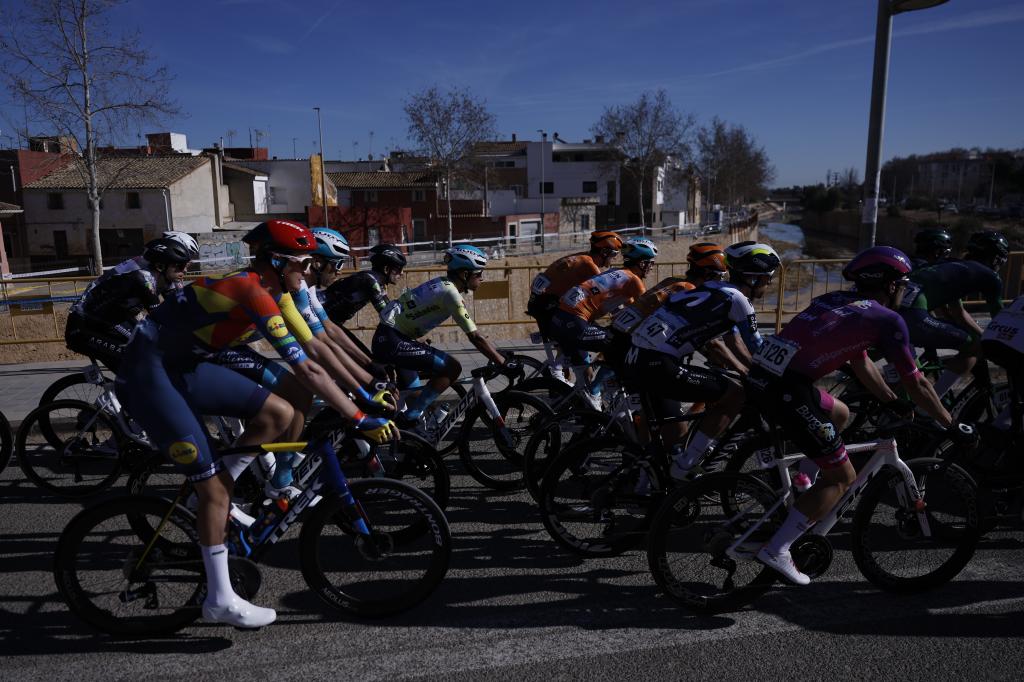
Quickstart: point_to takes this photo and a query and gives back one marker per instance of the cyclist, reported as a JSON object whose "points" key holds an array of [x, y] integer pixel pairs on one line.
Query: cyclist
{"points": [[168, 384], [572, 325], [932, 245], [346, 297], [101, 321], [417, 311], [941, 288], [1003, 343], [566, 272], [685, 324], [837, 327]]}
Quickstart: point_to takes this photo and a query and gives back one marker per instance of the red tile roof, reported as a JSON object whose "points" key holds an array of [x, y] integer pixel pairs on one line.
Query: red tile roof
{"points": [[124, 172], [382, 180]]}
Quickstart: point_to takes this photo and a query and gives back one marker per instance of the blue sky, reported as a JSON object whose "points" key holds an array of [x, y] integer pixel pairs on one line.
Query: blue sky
{"points": [[796, 73]]}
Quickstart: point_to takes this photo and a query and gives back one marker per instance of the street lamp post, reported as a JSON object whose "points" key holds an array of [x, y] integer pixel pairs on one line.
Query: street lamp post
{"points": [[543, 162], [883, 39], [323, 167]]}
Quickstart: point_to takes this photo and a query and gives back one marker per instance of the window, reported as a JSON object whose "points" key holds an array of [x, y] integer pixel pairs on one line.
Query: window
{"points": [[55, 201], [419, 230], [590, 187], [504, 164], [370, 196], [277, 195], [419, 195], [585, 222], [132, 200], [547, 188], [372, 235]]}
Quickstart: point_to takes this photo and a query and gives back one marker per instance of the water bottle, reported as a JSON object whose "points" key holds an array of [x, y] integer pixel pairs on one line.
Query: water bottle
{"points": [[801, 482], [271, 511]]}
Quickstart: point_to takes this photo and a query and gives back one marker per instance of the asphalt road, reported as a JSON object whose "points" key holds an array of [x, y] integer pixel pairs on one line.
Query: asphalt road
{"points": [[515, 606]]}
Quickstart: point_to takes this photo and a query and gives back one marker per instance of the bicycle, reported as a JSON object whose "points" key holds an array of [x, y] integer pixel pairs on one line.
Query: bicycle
{"points": [[705, 535], [6, 445], [131, 566], [81, 385]]}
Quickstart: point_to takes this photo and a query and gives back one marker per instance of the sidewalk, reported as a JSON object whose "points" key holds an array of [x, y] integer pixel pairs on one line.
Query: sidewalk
{"points": [[22, 384]]}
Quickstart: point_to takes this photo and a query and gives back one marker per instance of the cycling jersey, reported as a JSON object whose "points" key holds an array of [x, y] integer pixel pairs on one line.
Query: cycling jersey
{"points": [[308, 304], [346, 297], [948, 282], [689, 319], [602, 294], [216, 312], [1007, 327], [563, 274], [120, 295], [419, 310], [627, 319], [837, 327]]}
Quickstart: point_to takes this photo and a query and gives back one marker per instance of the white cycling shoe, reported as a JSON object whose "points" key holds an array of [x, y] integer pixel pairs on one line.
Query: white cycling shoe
{"points": [[593, 401], [240, 614], [287, 492], [782, 563]]}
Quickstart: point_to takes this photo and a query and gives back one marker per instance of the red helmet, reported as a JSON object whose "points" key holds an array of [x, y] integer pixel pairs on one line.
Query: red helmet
{"points": [[284, 236]]}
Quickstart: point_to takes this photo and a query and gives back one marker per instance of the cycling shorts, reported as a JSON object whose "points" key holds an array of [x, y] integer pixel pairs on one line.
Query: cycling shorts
{"points": [[927, 331], [106, 345], [661, 375], [169, 396], [541, 308], [577, 337], [794, 403], [252, 365], [392, 347]]}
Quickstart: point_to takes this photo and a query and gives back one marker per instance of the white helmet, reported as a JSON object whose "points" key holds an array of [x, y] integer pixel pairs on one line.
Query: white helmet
{"points": [[185, 240]]}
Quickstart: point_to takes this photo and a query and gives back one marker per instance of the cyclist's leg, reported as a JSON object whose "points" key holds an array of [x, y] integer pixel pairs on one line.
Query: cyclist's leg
{"points": [[927, 331], [408, 354], [107, 346]]}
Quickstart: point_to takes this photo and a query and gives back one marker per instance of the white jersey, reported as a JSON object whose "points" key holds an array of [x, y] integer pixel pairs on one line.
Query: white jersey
{"points": [[1007, 327]]}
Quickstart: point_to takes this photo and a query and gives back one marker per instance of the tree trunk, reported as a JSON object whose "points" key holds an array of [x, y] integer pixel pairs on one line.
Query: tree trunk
{"points": [[640, 197], [90, 154], [448, 198]]}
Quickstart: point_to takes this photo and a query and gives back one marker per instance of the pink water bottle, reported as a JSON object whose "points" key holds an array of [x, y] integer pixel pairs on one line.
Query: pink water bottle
{"points": [[801, 482]]}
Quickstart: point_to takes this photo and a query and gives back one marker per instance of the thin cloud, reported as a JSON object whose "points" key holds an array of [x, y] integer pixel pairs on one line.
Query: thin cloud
{"points": [[322, 19], [269, 45]]}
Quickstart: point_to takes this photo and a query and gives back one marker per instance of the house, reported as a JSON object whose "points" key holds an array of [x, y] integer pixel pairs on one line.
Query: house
{"points": [[143, 196], [18, 167], [671, 197], [6, 211]]}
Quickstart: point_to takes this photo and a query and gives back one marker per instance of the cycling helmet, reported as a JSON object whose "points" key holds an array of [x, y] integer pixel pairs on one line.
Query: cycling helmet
{"points": [[387, 254], [605, 240], [708, 256], [752, 258], [465, 257], [639, 248], [933, 238], [877, 265], [284, 236], [330, 244], [186, 240], [166, 251], [988, 243]]}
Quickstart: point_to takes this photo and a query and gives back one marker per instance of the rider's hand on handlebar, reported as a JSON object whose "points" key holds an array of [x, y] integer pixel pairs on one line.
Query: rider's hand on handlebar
{"points": [[377, 430]]}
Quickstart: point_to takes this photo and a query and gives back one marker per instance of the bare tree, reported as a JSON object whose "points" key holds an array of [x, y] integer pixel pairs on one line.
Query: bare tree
{"points": [[732, 163], [644, 135], [62, 59], [446, 125]]}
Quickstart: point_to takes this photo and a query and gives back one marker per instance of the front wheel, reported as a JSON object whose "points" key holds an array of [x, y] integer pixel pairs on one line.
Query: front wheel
{"points": [[113, 574], [6, 442], [901, 549], [492, 452], [398, 565]]}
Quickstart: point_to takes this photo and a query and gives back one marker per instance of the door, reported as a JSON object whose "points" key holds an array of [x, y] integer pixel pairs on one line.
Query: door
{"points": [[60, 244]]}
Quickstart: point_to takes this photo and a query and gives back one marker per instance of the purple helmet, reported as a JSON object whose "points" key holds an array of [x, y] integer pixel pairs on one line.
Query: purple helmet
{"points": [[879, 264]]}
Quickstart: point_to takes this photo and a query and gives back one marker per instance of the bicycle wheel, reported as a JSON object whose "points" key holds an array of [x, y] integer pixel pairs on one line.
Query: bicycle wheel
{"points": [[689, 547], [547, 388], [598, 497], [6, 442], [73, 386], [69, 448], [560, 430], [418, 464], [399, 565], [890, 546], [493, 454], [108, 579]]}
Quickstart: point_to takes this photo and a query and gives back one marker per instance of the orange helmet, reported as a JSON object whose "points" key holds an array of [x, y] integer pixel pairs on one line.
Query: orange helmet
{"points": [[605, 240], [708, 256]]}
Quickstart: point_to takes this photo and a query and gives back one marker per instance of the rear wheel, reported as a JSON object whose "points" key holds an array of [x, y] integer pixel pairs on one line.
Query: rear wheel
{"points": [[69, 448], [398, 565], [492, 452], [6, 442], [554, 434], [415, 462], [71, 387]]}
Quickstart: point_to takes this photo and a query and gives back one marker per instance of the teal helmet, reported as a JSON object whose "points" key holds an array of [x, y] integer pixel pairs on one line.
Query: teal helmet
{"points": [[330, 244], [465, 257], [639, 249]]}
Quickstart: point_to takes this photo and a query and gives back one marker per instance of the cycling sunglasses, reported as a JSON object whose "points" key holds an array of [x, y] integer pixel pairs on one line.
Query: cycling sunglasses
{"points": [[305, 262]]}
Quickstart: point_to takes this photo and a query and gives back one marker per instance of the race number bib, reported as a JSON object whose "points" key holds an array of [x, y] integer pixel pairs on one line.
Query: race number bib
{"points": [[574, 296], [1006, 328], [540, 284], [776, 354], [910, 294], [390, 312], [626, 320]]}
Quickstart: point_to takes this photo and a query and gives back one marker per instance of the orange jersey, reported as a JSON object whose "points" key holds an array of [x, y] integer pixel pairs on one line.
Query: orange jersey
{"points": [[602, 294], [633, 314], [564, 274]]}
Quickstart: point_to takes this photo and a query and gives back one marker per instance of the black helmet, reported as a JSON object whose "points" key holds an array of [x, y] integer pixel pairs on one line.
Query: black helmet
{"points": [[988, 244], [752, 258], [933, 238], [167, 251], [387, 254]]}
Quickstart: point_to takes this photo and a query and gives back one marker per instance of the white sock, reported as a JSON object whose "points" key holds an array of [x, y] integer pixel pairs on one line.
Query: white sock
{"points": [[795, 525], [700, 445], [236, 464], [946, 381], [218, 580]]}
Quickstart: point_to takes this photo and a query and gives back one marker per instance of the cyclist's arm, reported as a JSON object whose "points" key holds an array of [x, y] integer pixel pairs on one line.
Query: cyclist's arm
{"points": [[486, 347], [718, 353], [461, 316], [351, 350], [924, 396], [743, 316], [867, 373], [961, 318], [735, 345]]}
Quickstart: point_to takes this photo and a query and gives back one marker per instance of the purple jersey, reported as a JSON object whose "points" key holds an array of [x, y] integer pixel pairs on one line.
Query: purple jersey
{"points": [[838, 327]]}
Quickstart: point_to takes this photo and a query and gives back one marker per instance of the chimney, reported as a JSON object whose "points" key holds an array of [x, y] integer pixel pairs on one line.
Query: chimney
{"points": [[513, 137]]}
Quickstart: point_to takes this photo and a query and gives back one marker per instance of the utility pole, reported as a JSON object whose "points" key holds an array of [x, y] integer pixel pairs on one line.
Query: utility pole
{"points": [[543, 160], [323, 167], [295, 153]]}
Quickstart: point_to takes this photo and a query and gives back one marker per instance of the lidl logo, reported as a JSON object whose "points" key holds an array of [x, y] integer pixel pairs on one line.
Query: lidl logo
{"points": [[183, 452], [278, 329]]}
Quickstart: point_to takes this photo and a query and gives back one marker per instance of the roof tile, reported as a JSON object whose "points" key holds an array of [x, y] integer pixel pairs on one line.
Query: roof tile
{"points": [[124, 172], [381, 180]]}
